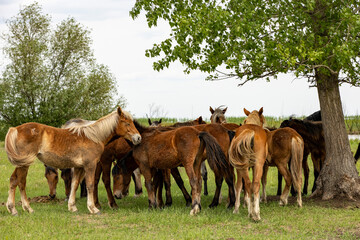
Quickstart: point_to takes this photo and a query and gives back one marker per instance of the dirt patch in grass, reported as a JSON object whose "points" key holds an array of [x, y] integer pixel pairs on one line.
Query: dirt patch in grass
{"points": [[39, 199], [333, 203]]}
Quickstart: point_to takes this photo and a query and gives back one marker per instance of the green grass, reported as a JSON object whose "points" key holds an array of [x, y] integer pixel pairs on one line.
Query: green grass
{"points": [[133, 220]]}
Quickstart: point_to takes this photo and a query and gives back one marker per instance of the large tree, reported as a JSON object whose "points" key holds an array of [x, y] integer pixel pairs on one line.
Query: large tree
{"points": [[256, 39], [52, 75]]}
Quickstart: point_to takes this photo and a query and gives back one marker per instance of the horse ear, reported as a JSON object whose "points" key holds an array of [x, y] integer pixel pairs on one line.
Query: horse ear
{"points": [[200, 120], [119, 111], [149, 121], [211, 110], [261, 111], [160, 120], [246, 112], [224, 110]]}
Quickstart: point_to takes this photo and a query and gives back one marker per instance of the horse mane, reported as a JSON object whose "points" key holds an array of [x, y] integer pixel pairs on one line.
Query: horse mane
{"points": [[316, 116], [255, 118], [100, 129], [76, 122], [219, 111]]}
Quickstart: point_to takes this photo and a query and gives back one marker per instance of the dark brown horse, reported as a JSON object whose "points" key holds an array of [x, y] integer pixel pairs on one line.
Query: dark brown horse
{"points": [[285, 147], [52, 177], [184, 146], [357, 154], [314, 144], [117, 149], [249, 149], [78, 147]]}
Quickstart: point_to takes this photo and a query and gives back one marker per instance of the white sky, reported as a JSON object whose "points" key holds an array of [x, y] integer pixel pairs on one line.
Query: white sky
{"points": [[120, 43]]}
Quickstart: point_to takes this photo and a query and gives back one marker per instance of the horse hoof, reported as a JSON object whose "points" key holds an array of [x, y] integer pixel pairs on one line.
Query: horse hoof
{"points": [[213, 205], [256, 218], [230, 206], [236, 211], [113, 206], [195, 210], [52, 196], [73, 209], [30, 210]]}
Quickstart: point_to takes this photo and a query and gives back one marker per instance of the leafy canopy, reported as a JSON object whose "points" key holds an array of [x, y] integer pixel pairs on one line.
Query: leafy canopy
{"points": [[52, 75], [255, 39]]}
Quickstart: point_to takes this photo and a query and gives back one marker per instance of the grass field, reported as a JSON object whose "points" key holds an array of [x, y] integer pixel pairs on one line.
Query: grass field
{"points": [[133, 220]]}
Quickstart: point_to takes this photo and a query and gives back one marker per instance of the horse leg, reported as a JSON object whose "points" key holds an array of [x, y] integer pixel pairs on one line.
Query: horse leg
{"points": [[317, 167], [264, 182], [255, 188], [230, 182], [176, 175], [66, 175], [306, 170], [287, 177], [244, 173], [22, 173], [204, 175], [218, 181], [148, 174], [10, 204], [78, 174], [238, 188], [158, 182], [98, 171], [136, 176], [18, 178], [89, 178], [106, 169], [278, 193], [167, 182], [195, 205], [83, 192]]}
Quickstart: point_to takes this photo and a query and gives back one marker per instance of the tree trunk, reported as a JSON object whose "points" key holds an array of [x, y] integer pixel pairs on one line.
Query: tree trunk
{"points": [[338, 176]]}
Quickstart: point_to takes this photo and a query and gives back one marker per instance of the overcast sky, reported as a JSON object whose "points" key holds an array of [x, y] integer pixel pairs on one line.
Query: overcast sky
{"points": [[120, 43]]}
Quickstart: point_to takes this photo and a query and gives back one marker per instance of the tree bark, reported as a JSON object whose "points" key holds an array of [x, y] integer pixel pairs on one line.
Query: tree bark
{"points": [[338, 176]]}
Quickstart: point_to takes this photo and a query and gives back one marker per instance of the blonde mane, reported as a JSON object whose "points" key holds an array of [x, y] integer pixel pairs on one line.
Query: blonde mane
{"points": [[254, 118], [102, 128]]}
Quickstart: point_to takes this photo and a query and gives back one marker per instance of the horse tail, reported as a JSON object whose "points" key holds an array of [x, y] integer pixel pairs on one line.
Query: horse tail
{"points": [[14, 156], [231, 135], [357, 154], [297, 150], [241, 149], [214, 154]]}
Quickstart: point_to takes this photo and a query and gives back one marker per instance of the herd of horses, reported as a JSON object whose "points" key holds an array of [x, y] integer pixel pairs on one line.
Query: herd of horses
{"points": [[87, 150]]}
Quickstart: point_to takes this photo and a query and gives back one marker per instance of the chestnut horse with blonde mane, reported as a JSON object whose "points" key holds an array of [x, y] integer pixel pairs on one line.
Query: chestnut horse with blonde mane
{"points": [[249, 148], [79, 147], [286, 149]]}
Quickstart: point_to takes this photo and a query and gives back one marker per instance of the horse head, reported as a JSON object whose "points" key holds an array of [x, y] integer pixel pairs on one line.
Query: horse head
{"points": [[254, 117], [217, 115], [126, 127]]}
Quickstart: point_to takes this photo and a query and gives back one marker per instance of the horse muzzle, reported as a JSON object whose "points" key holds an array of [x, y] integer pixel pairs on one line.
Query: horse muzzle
{"points": [[136, 139]]}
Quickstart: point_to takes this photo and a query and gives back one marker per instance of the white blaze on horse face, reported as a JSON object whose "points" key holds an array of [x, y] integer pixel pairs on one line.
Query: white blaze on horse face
{"points": [[136, 139]]}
